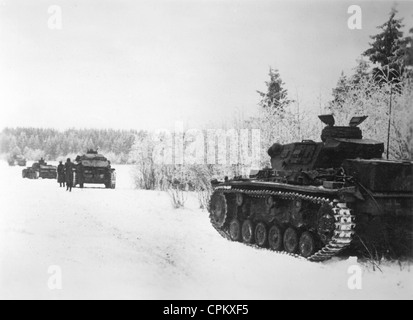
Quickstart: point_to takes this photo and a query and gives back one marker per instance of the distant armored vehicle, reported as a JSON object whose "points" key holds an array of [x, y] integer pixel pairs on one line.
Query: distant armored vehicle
{"points": [[17, 160], [40, 170], [94, 168], [321, 198]]}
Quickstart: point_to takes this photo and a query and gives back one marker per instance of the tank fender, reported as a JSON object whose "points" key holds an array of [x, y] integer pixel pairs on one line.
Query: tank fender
{"points": [[350, 194]]}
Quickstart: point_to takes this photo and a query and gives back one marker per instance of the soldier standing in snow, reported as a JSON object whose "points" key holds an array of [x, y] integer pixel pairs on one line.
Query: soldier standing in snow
{"points": [[80, 174], [108, 173], [69, 168], [61, 174]]}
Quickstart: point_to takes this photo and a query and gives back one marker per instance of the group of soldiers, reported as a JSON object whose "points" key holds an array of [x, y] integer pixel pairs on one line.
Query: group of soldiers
{"points": [[65, 174]]}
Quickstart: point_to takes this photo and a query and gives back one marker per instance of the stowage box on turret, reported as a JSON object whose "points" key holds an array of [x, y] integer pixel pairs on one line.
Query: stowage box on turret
{"points": [[320, 198]]}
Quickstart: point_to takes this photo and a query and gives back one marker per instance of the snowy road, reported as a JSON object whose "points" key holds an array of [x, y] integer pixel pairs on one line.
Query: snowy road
{"points": [[131, 244]]}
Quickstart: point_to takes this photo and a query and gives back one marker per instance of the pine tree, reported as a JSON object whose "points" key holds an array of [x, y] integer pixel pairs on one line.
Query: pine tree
{"points": [[345, 84], [341, 89], [16, 151], [276, 97], [361, 72], [389, 48]]}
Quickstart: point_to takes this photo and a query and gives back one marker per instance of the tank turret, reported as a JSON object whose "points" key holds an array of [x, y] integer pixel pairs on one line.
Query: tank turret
{"points": [[338, 143]]}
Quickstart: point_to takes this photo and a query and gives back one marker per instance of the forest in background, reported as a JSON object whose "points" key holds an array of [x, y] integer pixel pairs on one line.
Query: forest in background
{"points": [[52, 145]]}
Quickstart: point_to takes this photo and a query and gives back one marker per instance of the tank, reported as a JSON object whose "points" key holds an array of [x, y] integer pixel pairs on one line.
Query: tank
{"points": [[94, 168], [16, 160], [21, 161], [321, 199], [41, 170]]}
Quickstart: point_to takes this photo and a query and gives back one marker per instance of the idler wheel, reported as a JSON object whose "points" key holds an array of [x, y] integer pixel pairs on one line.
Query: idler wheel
{"points": [[261, 234], [218, 209], [275, 238], [248, 231], [307, 244], [235, 230], [291, 240]]}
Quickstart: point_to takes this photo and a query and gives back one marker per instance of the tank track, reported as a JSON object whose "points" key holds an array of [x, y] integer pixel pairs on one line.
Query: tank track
{"points": [[344, 220]]}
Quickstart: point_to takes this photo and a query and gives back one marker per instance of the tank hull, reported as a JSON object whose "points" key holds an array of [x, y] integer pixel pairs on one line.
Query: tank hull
{"points": [[266, 212], [96, 176], [40, 172]]}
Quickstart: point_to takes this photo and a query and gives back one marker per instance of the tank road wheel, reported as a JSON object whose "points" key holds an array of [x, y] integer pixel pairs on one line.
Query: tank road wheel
{"points": [[307, 245], [275, 238], [261, 234], [218, 209], [291, 240], [248, 231], [235, 230]]}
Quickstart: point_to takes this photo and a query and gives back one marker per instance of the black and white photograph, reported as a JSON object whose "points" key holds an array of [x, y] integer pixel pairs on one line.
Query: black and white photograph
{"points": [[192, 152]]}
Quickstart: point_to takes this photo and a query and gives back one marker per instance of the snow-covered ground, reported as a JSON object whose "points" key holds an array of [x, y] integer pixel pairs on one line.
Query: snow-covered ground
{"points": [[131, 244]]}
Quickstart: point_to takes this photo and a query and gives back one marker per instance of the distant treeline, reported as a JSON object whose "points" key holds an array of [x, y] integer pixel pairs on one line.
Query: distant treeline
{"points": [[52, 144]]}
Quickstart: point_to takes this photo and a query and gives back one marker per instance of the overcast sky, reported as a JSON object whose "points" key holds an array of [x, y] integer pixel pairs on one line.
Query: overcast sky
{"points": [[145, 64]]}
